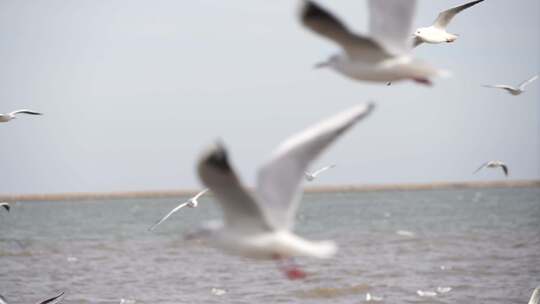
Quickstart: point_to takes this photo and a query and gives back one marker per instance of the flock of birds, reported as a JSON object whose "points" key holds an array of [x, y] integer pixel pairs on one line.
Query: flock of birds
{"points": [[258, 224]]}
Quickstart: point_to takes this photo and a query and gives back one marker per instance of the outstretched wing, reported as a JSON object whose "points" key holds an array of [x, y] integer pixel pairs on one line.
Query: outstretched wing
{"points": [[321, 170], [53, 300], [7, 207], [390, 24], [500, 86], [526, 82], [446, 16], [278, 181], [240, 209], [327, 25], [24, 111], [167, 216], [535, 297], [200, 194], [505, 169], [2, 300], [481, 167]]}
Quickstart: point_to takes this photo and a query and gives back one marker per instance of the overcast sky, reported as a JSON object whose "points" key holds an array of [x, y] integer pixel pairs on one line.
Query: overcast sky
{"points": [[133, 91]]}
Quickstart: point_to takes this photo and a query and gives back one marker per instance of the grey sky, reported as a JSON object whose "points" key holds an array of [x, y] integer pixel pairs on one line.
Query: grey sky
{"points": [[134, 90]]}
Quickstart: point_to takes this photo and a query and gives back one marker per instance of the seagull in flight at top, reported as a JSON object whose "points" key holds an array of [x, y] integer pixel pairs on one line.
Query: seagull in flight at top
{"points": [[513, 90], [191, 203], [437, 33], [310, 176], [258, 224], [381, 56], [10, 116], [494, 164]]}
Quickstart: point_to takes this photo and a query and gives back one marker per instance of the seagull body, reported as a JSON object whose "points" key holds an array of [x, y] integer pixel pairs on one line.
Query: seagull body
{"points": [[258, 225], [310, 176], [437, 33], [191, 203], [513, 90], [6, 206], [10, 116], [494, 164], [384, 56]]}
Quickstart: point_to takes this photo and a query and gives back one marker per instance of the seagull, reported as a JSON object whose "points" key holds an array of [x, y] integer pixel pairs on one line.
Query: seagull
{"points": [[310, 176], [512, 90], [7, 207], [53, 300], [494, 164], [10, 116], [259, 224], [191, 203], [383, 56], [535, 297], [436, 33]]}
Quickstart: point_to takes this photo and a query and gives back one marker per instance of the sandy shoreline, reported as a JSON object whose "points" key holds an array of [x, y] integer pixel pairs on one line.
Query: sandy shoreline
{"points": [[313, 189]]}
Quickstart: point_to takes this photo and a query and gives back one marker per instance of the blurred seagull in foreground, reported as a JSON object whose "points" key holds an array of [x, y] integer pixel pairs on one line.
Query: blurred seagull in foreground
{"points": [[258, 224], [53, 300], [383, 56], [494, 164], [191, 203], [6, 206], [535, 297], [437, 33], [10, 116], [310, 176], [512, 90]]}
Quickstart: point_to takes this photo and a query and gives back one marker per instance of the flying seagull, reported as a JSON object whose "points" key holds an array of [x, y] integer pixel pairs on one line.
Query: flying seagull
{"points": [[258, 225], [10, 116], [191, 203], [310, 176], [535, 297], [436, 33], [6, 206], [383, 56], [512, 90], [53, 300], [494, 164]]}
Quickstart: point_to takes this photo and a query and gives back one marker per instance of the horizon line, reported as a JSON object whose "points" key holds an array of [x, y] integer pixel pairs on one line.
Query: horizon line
{"points": [[81, 196]]}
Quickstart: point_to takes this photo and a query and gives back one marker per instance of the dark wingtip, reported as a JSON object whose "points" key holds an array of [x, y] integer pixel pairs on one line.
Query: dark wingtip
{"points": [[311, 10], [218, 157]]}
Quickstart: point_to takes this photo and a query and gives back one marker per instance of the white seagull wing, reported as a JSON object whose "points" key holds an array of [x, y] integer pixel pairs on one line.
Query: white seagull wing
{"points": [[446, 16], [481, 167], [240, 209], [2, 300], [25, 111], [500, 86], [168, 215], [526, 82], [279, 180], [53, 300], [327, 25], [390, 24], [535, 297], [321, 170], [200, 194]]}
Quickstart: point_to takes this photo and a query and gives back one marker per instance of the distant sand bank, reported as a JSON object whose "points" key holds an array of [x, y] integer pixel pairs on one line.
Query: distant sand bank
{"points": [[313, 189]]}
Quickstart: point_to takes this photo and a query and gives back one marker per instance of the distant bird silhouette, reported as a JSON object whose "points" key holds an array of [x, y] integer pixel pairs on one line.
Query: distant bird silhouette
{"points": [[494, 164], [513, 90], [10, 116], [437, 33], [310, 176], [191, 203]]}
